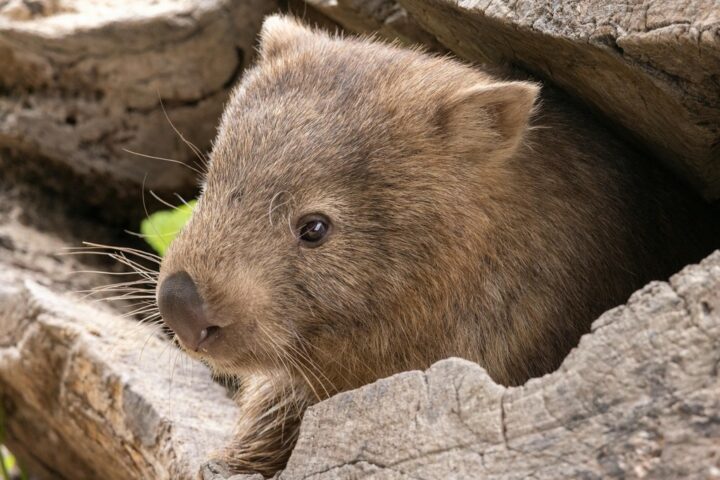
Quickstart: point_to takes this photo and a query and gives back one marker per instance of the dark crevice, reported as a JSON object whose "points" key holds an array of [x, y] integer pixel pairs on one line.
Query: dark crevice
{"points": [[239, 69], [96, 197]]}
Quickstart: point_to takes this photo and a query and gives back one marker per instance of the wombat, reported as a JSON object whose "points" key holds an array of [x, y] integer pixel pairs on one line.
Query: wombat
{"points": [[370, 209]]}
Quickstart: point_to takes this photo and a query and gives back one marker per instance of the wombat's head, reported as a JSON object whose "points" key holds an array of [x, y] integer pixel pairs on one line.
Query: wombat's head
{"points": [[336, 187]]}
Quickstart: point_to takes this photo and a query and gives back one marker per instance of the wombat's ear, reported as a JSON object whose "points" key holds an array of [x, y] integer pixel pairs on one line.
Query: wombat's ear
{"points": [[491, 117], [280, 32]]}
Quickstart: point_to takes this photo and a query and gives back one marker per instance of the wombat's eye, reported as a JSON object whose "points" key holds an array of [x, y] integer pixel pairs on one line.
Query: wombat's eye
{"points": [[313, 230]]}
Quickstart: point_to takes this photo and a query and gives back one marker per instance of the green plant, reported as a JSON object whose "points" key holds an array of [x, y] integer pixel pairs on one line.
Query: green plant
{"points": [[161, 228], [8, 463]]}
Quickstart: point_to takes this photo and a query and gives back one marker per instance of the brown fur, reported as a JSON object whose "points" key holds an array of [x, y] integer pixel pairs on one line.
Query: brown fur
{"points": [[464, 225]]}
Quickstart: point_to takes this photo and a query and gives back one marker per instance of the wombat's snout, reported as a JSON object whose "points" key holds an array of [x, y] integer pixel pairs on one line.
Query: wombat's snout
{"points": [[183, 310]]}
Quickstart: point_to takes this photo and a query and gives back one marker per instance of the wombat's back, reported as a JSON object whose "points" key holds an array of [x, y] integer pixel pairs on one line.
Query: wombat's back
{"points": [[587, 221]]}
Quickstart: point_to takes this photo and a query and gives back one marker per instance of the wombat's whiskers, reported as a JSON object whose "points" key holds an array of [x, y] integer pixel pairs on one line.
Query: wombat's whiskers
{"points": [[138, 295], [272, 208], [169, 160], [165, 202], [303, 363], [284, 408], [198, 153]]}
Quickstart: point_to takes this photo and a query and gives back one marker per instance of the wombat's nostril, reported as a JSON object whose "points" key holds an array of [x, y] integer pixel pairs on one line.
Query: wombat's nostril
{"points": [[183, 310]]}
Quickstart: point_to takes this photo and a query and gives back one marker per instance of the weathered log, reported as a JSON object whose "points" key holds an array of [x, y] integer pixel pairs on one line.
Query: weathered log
{"points": [[90, 395], [651, 67], [81, 82]]}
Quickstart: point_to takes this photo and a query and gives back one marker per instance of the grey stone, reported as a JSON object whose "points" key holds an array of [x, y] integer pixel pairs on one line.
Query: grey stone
{"points": [[82, 81], [651, 66]]}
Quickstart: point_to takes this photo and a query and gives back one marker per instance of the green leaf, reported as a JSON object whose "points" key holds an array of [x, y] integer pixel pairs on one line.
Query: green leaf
{"points": [[161, 228], [9, 461]]}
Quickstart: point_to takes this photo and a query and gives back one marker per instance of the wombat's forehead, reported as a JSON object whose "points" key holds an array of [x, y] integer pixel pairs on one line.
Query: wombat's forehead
{"points": [[287, 159], [299, 171], [279, 142], [319, 122]]}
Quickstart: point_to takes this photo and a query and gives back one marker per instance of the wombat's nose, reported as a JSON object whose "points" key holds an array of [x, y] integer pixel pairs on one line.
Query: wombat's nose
{"points": [[183, 310]]}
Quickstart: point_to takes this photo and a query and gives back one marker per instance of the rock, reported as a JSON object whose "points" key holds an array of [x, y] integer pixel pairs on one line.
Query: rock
{"points": [[639, 398], [87, 394], [82, 82], [650, 67]]}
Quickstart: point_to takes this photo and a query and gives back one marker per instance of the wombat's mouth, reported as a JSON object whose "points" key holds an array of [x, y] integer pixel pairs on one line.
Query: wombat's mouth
{"points": [[225, 348], [207, 344]]}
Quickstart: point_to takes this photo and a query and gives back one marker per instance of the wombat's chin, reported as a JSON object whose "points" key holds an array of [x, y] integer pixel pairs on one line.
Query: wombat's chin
{"points": [[234, 362]]}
